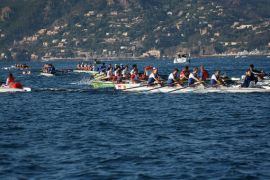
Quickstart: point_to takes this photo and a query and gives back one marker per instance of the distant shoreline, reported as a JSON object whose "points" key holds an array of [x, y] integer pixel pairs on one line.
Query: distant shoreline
{"points": [[142, 58]]}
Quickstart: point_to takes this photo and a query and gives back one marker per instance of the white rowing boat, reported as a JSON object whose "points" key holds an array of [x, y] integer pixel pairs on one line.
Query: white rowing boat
{"points": [[86, 71], [199, 89], [181, 59], [127, 86], [8, 89], [47, 74]]}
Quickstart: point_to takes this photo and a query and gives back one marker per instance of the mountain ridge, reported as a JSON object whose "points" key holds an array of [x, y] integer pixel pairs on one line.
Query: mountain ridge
{"points": [[130, 28]]}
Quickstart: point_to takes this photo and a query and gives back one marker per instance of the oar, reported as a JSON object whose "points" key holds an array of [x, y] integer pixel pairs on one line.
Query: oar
{"points": [[160, 87], [136, 87], [154, 88]]}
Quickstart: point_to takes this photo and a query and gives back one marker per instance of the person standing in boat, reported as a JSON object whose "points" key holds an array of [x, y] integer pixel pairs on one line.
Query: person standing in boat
{"points": [[193, 78], [173, 78], [203, 74], [184, 74], [154, 78]]}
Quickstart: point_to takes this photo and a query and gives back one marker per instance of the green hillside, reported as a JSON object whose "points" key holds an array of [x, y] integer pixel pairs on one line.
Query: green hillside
{"points": [[129, 28]]}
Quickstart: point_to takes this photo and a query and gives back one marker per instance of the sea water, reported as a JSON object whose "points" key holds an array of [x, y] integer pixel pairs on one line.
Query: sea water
{"points": [[63, 129]]}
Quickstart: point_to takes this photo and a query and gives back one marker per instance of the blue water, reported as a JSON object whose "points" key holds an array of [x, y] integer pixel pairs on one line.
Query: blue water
{"points": [[65, 130]]}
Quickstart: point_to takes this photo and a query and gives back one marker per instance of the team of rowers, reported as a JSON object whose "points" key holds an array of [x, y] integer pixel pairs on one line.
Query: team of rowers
{"points": [[121, 72], [86, 67], [48, 68], [199, 76], [21, 66]]}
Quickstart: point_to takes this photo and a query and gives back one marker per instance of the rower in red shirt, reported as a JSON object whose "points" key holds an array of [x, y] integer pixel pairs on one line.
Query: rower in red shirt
{"points": [[203, 74], [184, 74], [10, 79]]}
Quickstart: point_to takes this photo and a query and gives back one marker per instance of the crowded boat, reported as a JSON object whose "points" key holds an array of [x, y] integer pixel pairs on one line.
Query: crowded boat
{"points": [[129, 78], [48, 70], [21, 66], [119, 77]]}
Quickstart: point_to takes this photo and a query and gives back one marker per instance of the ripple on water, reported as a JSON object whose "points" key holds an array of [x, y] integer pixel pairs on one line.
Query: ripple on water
{"points": [[66, 130]]}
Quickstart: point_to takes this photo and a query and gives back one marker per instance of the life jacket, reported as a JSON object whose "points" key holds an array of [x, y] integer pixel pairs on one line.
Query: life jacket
{"points": [[16, 85], [204, 75], [184, 73]]}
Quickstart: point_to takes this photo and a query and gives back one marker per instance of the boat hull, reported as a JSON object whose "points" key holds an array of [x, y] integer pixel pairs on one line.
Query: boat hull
{"points": [[84, 71], [7, 89], [181, 60], [158, 89], [102, 84], [127, 86], [47, 74]]}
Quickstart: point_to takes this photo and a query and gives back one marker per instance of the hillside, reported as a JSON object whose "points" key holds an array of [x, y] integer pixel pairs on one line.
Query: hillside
{"points": [[129, 28]]}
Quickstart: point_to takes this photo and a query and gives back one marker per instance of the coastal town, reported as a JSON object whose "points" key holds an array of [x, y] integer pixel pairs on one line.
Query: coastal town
{"points": [[123, 31]]}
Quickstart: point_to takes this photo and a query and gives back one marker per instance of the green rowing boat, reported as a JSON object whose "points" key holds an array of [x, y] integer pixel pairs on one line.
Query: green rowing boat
{"points": [[102, 84]]}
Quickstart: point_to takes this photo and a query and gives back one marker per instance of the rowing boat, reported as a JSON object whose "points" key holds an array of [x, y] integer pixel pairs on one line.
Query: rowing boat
{"points": [[8, 89], [86, 71], [101, 84], [198, 89], [47, 74], [125, 86]]}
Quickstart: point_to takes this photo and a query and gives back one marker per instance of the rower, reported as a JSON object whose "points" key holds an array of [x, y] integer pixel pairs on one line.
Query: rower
{"points": [[135, 78], [215, 79], [256, 74], [102, 68], [154, 77], [109, 67], [184, 74], [51, 69], [173, 78], [10, 79], [203, 74], [109, 74], [125, 72], [249, 80], [118, 70], [193, 78], [11, 82], [134, 67], [122, 67], [119, 77], [115, 67]]}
